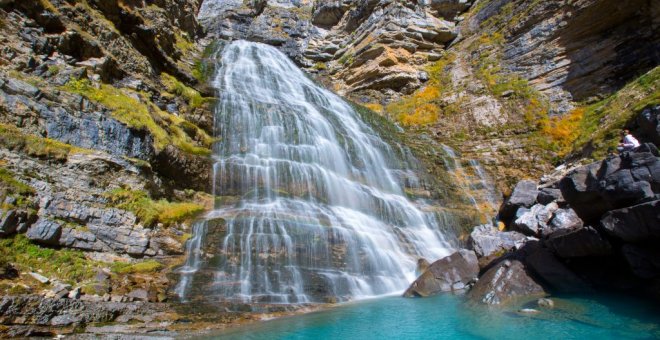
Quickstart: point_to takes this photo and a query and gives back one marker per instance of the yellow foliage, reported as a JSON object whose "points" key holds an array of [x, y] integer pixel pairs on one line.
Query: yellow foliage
{"points": [[423, 115], [374, 107]]}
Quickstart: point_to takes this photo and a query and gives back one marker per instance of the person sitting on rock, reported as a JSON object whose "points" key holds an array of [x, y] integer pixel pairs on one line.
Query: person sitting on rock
{"points": [[629, 143]]}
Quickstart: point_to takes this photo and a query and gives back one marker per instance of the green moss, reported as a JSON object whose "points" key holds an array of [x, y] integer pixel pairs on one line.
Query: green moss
{"points": [[8, 180], [175, 87], [135, 110], [150, 211], [149, 266], [53, 69], [67, 265], [13, 139], [320, 66]]}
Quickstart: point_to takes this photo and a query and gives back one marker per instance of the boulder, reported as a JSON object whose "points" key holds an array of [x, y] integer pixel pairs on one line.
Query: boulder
{"points": [[450, 273], [563, 221], [649, 123], [644, 260], [505, 283], [617, 182], [523, 195], [579, 242], [634, 224], [580, 189], [45, 231], [554, 273], [449, 9], [489, 243], [549, 195], [535, 220]]}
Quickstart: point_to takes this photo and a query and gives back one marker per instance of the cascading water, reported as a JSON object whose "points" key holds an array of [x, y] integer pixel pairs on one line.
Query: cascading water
{"points": [[310, 201]]}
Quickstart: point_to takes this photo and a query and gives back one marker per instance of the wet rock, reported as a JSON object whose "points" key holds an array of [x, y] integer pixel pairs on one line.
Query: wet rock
{"points": [[444, 274], [489, 243], [644, 260], [45, 231], [579, 242], [634, 224], [505, 283], [523, 195], [422, 266], [545, 303]]}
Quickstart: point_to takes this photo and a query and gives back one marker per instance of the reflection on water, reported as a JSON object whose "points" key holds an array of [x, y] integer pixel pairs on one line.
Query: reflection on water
{"points": [[449, 317]]}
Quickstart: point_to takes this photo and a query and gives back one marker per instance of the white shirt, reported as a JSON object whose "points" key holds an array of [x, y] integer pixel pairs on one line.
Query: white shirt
{"points": [[630, 142]]}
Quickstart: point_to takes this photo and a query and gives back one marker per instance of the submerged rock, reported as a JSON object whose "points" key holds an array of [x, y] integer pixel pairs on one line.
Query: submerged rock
{"points": [[505, 283], [453, 272]]}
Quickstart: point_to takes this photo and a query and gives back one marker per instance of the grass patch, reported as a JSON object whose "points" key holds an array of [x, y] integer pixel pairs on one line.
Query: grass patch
{"points": [[598, 124], [150, 211], [135, 110], [45, 148], [150, 266], [67, 265]]}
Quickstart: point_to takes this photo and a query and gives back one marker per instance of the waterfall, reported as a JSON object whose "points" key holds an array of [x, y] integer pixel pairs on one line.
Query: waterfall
{"points": [[311, 203]]}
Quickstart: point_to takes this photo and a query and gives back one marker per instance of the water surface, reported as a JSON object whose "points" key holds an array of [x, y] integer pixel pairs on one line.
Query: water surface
{"points": [[450, 317]]}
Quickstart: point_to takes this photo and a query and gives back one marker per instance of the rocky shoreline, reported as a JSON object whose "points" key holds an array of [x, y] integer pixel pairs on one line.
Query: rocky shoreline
{"points": [[592, 228]]}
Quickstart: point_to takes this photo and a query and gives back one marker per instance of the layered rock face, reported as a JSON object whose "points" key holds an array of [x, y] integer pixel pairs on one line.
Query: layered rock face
{"points": [[365, 46], [97, 100]]}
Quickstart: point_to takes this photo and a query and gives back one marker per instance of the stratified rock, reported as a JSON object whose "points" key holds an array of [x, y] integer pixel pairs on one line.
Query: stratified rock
{"points": [[45, 231], [523, 195], [449, 8], [644, 260], [579, 242], [489, 243], [328, 14], [506, 283], [139, 295], [447, 274], [8, 222], [535, 220], [634, 224]]}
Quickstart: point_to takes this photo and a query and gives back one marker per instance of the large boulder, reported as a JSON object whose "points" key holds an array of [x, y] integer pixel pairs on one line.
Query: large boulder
{"points": [[617, 182], [580, 242], [634, 224], [453, 272], [523, 195], [549, 195], [552, 271], [505, 283], [489, 243], [644, 260]]}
